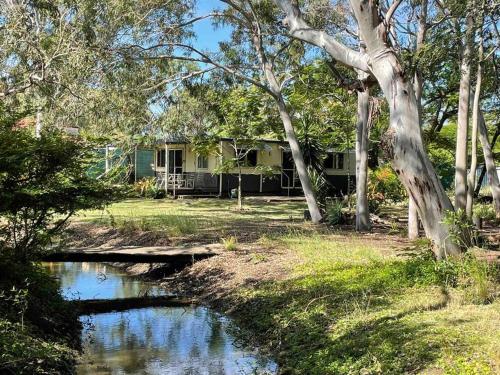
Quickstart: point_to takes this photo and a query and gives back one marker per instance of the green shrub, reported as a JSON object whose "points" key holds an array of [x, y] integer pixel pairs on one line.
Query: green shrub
{"points": [[148, 187], [462, 230], [43, 182], [39, 331], [383, 183], [334, 213], [484, 211]]}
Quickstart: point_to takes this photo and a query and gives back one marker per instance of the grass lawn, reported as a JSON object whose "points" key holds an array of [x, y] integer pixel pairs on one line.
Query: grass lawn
{"points": [[357, 306], [199, 219]]}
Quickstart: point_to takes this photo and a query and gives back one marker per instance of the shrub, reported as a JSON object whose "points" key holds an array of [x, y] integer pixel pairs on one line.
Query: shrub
{"points": [[484, 211], [462, 230], [383, 184], [39, 331], [320, 186], [43, 182], [334, 213], [148, 187]]}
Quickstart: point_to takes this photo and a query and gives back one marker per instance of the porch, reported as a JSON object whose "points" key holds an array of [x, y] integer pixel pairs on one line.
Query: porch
{"points": [[187, 181]]}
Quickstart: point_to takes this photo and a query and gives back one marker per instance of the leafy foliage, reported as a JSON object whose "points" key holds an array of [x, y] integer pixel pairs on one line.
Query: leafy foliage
{"points": [[42, 183], [39, 331], [463, 232]]}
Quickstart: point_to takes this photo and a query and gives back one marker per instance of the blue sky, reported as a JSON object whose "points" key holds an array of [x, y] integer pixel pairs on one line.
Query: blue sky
{"points": [[207, 36]]}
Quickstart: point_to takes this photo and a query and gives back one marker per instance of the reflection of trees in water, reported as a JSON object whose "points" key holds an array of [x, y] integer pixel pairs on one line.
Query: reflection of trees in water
{"points": [[152, 340]]}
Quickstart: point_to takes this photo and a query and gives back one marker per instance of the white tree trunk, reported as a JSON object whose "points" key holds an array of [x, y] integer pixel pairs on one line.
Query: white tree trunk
{"points": [[413, 231], [240, 198], [489, 160], [38, 124], [275, 90], [418, 84], [471, 178], [403, 144], [362, 209], [298, 159], [463, 120]]}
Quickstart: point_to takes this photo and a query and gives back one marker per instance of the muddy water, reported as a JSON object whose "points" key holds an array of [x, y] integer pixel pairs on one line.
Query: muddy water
{"points": [[159, 340]]}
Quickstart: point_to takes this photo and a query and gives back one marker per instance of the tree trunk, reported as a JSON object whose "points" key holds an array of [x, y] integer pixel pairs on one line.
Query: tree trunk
{"points": [[418, 84], [463, 120], [38, 124], [240, 199], [413, 230], [489, 161], [471, 178], [362, 209], [483, 169], [275, 91], [298, 159], [402, 142]]}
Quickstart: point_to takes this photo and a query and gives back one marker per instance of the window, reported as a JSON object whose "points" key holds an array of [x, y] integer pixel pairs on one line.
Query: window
{"points": [[202, 162], [334, 160], [287, 162], [248, 157], [160, 158]]}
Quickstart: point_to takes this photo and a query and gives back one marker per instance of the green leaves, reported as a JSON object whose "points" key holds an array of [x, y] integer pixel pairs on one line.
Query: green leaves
{"points": [[42, 183]]}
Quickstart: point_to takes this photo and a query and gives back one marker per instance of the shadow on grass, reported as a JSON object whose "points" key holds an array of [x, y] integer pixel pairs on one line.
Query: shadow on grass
{"points": [[352, 320]]}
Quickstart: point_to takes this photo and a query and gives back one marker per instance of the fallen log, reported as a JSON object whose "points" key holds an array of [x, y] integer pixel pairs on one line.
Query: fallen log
{"points": [[99, 306]]}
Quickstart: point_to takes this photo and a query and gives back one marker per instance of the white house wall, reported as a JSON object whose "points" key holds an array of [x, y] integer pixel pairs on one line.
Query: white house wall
{"points": [[270, 158]]}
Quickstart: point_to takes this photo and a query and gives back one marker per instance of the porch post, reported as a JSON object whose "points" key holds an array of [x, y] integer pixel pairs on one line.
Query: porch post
{"points": [[106, 154], [135, 163], [166, 168]]}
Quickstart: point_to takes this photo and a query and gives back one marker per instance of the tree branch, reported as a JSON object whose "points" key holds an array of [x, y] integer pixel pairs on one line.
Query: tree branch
{"points": [[392, 9], [299, 29]]}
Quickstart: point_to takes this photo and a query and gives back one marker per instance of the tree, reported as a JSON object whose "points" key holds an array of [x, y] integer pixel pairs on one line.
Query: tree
{"points": [[463, 110], [43, 182], [471, 178], [241, 114], [403, 141]]}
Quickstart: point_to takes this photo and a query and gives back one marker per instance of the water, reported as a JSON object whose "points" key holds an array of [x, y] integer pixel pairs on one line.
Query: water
{"points": [[158, 340]]}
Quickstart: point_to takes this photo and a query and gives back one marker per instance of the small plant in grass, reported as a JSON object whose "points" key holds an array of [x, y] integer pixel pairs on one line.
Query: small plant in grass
{"points": [[462, 230], [477, 279], [334, 213], [394, 227], [258, 258], [484, 211], [230, 243]]}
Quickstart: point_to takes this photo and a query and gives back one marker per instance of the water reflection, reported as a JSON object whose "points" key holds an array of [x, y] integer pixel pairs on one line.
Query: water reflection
{"points": [[159, 340], [97, 280]]}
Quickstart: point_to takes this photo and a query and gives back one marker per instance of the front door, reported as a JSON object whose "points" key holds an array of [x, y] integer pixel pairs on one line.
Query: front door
{"points": [[289, 177], [175, 161]]}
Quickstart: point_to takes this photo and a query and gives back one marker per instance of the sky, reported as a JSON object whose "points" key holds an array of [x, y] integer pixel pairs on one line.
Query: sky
{"points": [[208, 37]]}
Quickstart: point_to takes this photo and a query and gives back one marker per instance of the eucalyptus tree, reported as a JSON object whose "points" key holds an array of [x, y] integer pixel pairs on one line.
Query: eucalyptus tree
{"points": [[42, 53], [254, 24], [403, 141], [466, 51]]}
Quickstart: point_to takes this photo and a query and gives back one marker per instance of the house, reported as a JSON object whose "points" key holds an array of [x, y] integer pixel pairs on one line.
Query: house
{"points": [[190, 173]]}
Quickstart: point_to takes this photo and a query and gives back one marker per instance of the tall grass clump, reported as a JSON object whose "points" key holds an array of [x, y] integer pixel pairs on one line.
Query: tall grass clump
{"points": [[230, 243]]}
